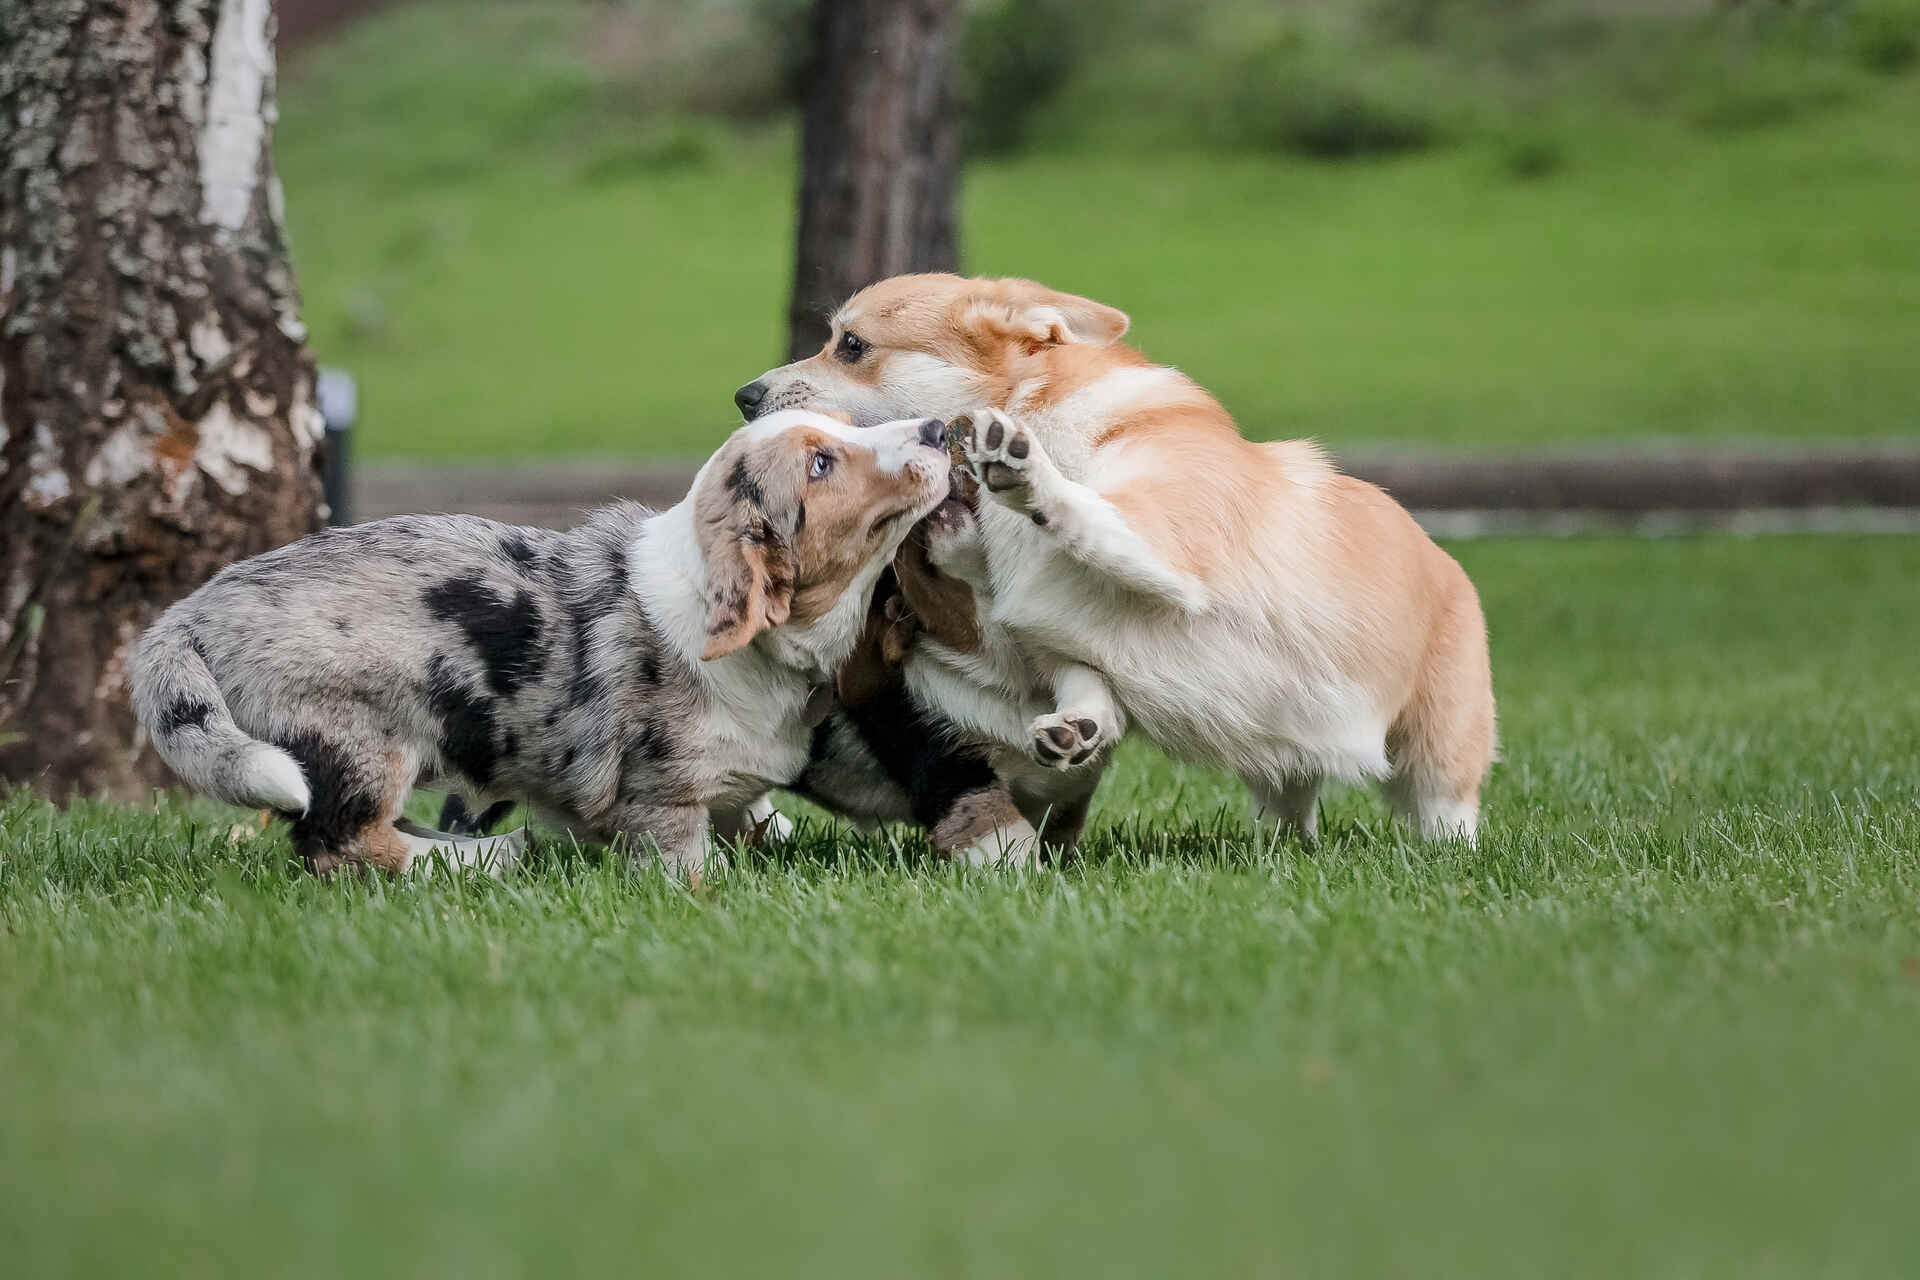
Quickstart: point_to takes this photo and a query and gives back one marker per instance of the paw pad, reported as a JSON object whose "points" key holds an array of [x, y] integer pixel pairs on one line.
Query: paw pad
{"points": [[996, 448], [1066, 741]]}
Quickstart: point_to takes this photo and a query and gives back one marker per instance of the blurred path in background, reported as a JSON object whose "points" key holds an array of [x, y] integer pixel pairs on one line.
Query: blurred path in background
{"points": [[1649, 491]]}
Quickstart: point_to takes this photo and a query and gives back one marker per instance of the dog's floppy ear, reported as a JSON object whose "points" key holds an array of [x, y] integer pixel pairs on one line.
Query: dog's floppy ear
{"points": [[880, 650], [749, 588], [1048, 317], [942, 606], [749, 560]]}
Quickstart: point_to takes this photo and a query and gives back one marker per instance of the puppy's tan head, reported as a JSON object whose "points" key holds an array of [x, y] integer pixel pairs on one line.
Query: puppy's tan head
{"points": [[933, 344], [798, 508]]}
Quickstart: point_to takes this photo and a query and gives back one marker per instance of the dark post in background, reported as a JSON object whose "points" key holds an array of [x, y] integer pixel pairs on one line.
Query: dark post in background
{"points": [[880, 153]]}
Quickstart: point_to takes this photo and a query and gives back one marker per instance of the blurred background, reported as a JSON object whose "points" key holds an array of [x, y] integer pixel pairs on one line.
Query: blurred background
{"points": [[565, 228]]}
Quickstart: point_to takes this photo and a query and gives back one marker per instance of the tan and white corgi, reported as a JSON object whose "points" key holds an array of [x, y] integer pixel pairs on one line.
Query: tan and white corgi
{"points": [[1138, 563]]}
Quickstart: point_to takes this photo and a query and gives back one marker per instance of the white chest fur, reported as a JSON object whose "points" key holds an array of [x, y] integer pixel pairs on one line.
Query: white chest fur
{"points": [[753, 732], [750, 731]]}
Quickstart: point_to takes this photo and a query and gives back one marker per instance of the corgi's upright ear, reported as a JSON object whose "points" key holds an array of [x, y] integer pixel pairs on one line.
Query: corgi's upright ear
{"points": [[1034, 314]]}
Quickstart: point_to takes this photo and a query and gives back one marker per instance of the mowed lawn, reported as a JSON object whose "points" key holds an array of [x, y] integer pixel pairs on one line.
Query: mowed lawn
{"points": [[513, 272], [1663, 1021]]}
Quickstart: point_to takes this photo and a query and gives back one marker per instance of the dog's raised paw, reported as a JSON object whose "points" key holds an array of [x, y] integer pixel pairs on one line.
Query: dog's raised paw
{"points": [[998, 450], [1066, 740]]}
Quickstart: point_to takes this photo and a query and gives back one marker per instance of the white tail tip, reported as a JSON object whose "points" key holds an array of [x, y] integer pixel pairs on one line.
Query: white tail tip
{"points": [[272, 778]]}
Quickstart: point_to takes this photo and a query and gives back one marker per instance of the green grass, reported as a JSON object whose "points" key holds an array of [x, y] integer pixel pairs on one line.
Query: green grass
{"points": [[516, 264], [1662, 1022]]}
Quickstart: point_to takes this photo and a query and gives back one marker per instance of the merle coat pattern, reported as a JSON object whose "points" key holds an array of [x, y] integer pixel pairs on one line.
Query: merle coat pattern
{"points": [[520, 655], [633, 677]]}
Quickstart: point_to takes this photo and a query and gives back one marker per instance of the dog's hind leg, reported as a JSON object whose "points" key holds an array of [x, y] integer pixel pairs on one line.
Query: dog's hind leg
{"points": [[356, 817], [1443, 807], [359, 783], [1056, 805], [1294, 805], [1442, 742]]}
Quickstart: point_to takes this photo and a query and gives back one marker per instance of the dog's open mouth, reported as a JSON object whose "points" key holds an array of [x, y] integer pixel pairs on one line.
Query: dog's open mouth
{"points": [[956, 510], [951, 516]]}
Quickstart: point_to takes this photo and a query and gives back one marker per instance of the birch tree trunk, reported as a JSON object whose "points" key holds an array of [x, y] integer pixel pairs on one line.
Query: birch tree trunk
{"points": [[156, 395], [880, 153]]}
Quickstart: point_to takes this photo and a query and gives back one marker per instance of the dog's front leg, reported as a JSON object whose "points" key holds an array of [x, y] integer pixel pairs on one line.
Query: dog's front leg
{"points": [[1009, 462], [1085, 723], [431, 849], [681, 833]]}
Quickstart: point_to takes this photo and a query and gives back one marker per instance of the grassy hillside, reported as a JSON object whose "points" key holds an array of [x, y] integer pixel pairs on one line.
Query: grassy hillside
{"points": [[1661, 1023], [527, 242]]}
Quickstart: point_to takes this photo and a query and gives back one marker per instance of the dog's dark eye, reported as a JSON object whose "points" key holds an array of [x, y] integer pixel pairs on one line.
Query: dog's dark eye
{"points": [[852, 347], [821, 464]]}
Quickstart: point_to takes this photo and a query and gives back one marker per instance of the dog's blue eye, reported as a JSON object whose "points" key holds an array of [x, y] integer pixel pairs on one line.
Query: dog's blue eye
{"points": [[821, 464], [852, 347]]}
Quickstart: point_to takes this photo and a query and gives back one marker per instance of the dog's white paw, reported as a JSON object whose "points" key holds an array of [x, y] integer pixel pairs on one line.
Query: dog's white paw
{"points": [[1066, 740], [775, 828], [999, 452], [494, 855], [1015, 846]]}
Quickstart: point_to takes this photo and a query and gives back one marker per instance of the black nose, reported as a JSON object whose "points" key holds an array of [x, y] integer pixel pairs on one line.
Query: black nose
{"points": [[933, 433], [751, 397]]}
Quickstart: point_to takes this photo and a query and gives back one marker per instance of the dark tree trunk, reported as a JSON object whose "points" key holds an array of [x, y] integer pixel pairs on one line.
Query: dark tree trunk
{"points": [[156, 395], [880, 153]]}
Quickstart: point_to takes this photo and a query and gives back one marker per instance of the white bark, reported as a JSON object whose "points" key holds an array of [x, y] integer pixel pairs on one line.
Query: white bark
{"points": [[124, 458], [49, 484], [230, 448], [235, 124]]}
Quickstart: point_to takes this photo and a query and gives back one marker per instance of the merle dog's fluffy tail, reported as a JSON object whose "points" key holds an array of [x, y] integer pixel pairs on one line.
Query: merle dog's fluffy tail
{"points": [[184, 712]]}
